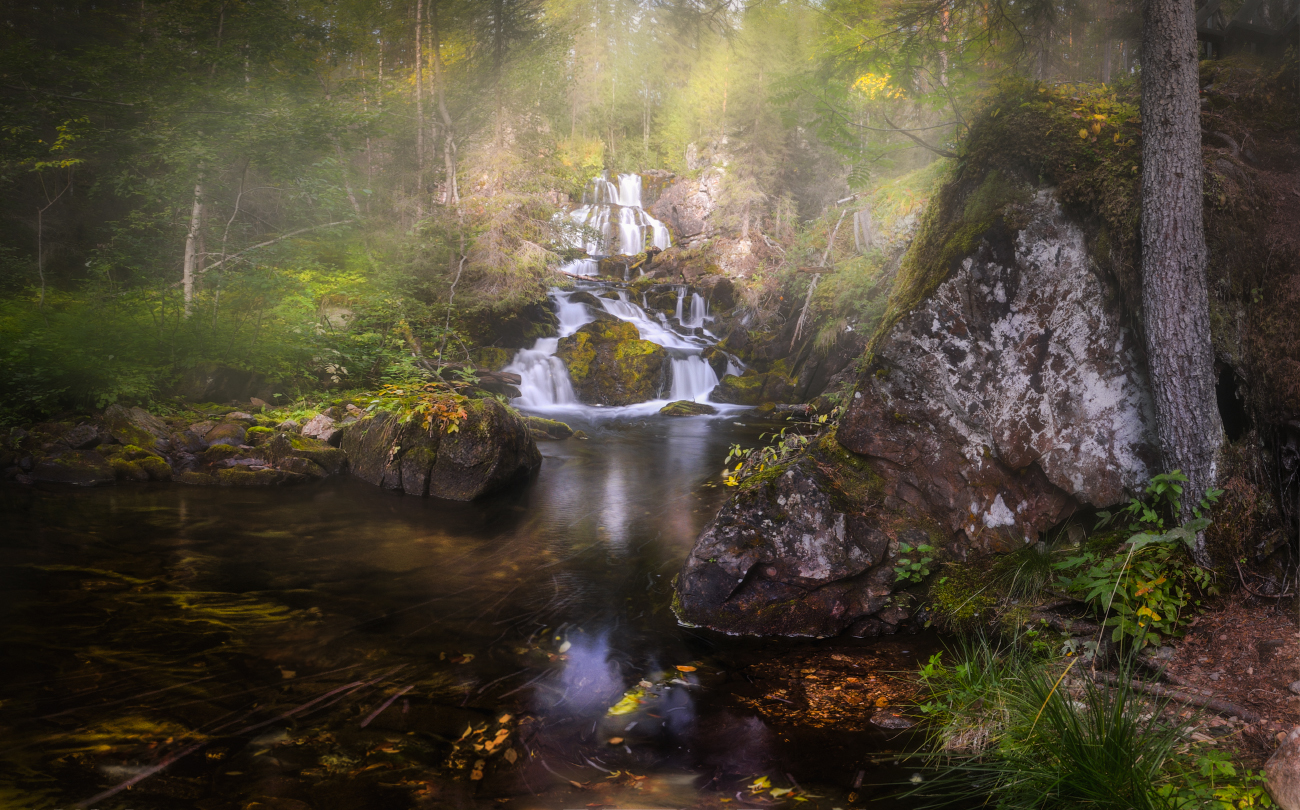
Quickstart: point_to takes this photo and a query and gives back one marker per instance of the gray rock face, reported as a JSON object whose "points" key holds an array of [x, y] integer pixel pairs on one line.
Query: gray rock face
{"points": [[1006, 398], [1010, 395], [320, 427], [795, 552], [687, 207], [492, 449], [84, 468]]}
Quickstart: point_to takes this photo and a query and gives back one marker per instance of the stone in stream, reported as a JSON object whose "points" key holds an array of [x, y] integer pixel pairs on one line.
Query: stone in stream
{"points": [[609, 364], [685, 407], [753, 388], [543, 429], [492, 448], [84, 468], [136, 426]]}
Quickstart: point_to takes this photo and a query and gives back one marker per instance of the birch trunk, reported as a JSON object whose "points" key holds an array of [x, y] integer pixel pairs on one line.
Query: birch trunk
{"points": [[190, 268], [1175, 299]]}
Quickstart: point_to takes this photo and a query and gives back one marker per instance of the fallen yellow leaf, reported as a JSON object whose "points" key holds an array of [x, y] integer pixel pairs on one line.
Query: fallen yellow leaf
{"points": [[615, 740], [684, 668]]}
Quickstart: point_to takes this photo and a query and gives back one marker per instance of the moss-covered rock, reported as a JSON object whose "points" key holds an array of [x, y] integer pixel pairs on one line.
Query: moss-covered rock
{"points": [[135, 426], [610, 365], [196, 479], [753, 388], [158, 469], [491, 448], [237, 477], [220, 452], [257, 435], [548, 428], [685, 407], [84, 468], [283, 445], [229, 433], [129, 470]]}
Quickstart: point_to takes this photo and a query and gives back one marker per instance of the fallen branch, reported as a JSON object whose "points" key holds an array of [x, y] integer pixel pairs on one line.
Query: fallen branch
{"points": [[268, 242], [1155, 690], [918, 141], [1242, 576]]}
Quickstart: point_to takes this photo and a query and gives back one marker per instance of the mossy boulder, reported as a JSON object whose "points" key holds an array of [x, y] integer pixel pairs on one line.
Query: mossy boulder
{"points": [[684, 407], [136, 426], [157, 468], [84, 468], [283, 446], [268, 477], [610, 365], [804, 547], [491, 449], [129, 470], [229, 433], [544, 429], [257, 435], [753, 388]]}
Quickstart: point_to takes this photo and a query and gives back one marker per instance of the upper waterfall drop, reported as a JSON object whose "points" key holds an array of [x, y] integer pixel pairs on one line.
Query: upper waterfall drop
{"points": [[616, 213]]}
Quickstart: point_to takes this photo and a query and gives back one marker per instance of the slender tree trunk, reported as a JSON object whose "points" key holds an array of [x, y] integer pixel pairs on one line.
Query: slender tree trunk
{"points": [[419, 105], [1175, 299], [439, 83], [192, 248]]}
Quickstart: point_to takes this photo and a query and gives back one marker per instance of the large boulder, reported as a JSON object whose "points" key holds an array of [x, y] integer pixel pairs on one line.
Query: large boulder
{"points": [[491, 449], [1002, 397], [801, 549], [1011, 394], [136, 426], [754, 389], [610, 365]]}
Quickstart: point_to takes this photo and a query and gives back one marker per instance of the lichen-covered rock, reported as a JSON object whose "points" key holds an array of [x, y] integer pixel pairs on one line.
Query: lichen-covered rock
{"points": [[84, 468], [268, 477], [544, 429], [127, 470], [283, 446], [609, 364], [320, 427], [753, 389], [801, 549], [685, 407], [1010, 394], [136, 426], [228, 433], [492, 448]]}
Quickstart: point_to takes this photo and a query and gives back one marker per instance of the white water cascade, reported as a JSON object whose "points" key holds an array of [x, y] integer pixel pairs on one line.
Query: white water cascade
{"points": [[545, 380], [615, 212], [699, 310]]}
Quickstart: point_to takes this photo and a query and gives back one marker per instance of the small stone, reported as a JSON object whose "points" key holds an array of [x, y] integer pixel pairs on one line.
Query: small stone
{"points": [[319, 427], [1295, 687]]}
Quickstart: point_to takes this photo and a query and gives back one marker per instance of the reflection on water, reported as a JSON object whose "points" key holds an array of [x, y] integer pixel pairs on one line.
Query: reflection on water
{"points": [[342, 647]]}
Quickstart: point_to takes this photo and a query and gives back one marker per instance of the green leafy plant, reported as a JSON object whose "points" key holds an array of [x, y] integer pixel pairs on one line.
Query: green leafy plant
{"points": [[1148, 591], [914, 562]]}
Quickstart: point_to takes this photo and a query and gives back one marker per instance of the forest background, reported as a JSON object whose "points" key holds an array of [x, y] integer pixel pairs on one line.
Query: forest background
{"points": [[198, 182]]}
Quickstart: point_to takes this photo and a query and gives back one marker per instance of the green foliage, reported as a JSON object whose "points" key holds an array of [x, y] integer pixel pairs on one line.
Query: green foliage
{"points": [[1012, 730], [913, 564], [1148, 591]]}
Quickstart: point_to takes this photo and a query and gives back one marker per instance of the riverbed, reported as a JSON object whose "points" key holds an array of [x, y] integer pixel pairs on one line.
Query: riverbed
{"points": [[339, 646]]}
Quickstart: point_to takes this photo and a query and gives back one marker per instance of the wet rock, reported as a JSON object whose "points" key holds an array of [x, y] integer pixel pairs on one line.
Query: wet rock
{"points": [[492, 449], [685, 407], [237, 477], [82, 437], [296, 464], [1283, 772], [687, 206], [798, 551], [584, 297], [891, 720], [289, 426], [543, 429], [197, 479], [610, 365], [1011, 394], [720, 292], [126, 470], [232, 434], [320, 427], [753, 389], [136, 426], [84, 468], [157, 468], [285, 446]]}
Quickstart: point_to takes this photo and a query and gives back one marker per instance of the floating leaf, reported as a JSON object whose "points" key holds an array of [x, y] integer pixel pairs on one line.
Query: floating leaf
{"points": [[566, 646], [779, 792], [684, 668], [760, 784], [615, 740], [477, 773], [510, 755]]}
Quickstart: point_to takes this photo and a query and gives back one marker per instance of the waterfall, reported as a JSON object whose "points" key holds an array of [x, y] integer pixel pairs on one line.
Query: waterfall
{"points": [[693, 379], [616, 213], [699, 310], [545, 380]]}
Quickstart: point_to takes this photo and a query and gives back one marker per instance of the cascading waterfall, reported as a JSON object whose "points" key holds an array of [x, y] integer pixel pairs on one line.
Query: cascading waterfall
{"points": [[616, 213], [545, 380], [699, 310]]}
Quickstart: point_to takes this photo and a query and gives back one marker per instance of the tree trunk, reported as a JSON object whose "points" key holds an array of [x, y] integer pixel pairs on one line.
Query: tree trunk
{"points": [[192, 249], [1175, 300], [439, 81], [419, 104]]}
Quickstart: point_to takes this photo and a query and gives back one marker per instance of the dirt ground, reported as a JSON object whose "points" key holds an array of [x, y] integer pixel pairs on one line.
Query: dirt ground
{"points": [[1245, 651]]}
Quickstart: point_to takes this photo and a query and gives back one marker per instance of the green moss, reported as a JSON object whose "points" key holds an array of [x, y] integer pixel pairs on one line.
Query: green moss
{"points": [[129, 470], [491, 358], [962, 598], [578, 353], [746, 390], [257, 435], [548, 427], [686, 407], [220, 452], [157, 469], [197, 479]]}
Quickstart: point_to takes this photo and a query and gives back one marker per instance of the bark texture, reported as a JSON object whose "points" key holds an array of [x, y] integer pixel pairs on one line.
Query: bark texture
{"points": [[1175, 301]]}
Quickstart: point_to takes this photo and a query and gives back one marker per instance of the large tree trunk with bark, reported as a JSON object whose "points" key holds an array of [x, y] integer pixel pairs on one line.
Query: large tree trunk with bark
{"points": [[1175, 300]]}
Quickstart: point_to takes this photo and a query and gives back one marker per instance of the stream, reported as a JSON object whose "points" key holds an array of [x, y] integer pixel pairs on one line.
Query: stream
{"points": [[339, 646]]}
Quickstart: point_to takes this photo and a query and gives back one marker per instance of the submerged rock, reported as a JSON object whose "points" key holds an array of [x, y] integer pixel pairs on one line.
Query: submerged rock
{"points": [[543, 429], [685, 407], [84, 468], [609, 364], [492, 448]]}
